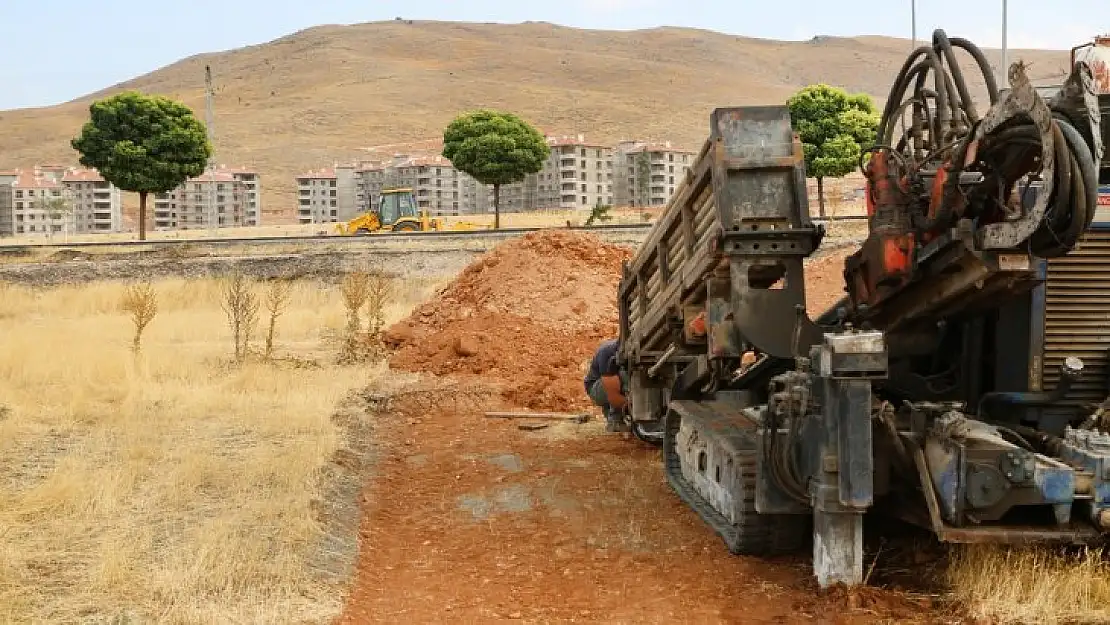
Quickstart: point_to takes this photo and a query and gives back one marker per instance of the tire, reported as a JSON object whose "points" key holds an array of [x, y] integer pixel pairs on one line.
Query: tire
{"points": [[650, 432], [754, 534], [362, 232], [405, 228]]}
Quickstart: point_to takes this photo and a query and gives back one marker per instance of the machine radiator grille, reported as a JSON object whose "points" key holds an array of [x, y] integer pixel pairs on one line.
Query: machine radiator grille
{"points": [[1077, 315]]}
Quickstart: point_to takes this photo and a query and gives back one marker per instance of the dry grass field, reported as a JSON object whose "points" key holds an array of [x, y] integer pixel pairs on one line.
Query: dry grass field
{"points": [[1030, 585], [174, 485], [323, 94]]}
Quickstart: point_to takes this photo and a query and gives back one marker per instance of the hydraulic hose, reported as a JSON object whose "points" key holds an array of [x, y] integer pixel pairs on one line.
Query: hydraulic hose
{"points": [[944, 121]]}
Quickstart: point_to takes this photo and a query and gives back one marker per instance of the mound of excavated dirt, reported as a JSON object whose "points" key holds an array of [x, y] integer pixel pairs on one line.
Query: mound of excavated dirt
{"points": [[825, 280], [529, 314]]}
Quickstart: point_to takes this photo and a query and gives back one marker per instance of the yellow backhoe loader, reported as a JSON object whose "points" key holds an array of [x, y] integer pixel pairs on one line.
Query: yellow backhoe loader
{"points": [[397, 211]]}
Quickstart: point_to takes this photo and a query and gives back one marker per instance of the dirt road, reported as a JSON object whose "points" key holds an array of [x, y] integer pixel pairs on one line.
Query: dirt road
{"points": [[475, 521]]}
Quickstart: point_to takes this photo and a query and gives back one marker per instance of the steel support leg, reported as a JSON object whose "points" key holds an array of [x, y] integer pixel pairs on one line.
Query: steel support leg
{"points": [[837, 544], [844, 489]]}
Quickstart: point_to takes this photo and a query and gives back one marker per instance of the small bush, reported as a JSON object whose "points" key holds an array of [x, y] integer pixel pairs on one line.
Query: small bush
{"points": [[241, 305], [277, 299], [369, 289], [141, 303]]}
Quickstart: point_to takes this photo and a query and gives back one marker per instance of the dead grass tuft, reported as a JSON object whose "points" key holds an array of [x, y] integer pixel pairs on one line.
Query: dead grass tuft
{"points": [[277, 299], [164, 486], [369, 289], [141, 303], [1031, 585], [240, 304]]}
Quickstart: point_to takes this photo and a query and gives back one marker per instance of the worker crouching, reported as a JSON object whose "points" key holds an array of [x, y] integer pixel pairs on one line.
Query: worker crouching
{"points": [[606, 384]]}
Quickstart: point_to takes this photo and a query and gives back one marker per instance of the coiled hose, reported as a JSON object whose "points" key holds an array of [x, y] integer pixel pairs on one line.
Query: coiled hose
{"points": [[942, 119]]}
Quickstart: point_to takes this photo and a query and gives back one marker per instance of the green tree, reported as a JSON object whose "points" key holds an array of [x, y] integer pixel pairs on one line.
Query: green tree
{"points": [[143, 144], [834, 127], [496, 148]]}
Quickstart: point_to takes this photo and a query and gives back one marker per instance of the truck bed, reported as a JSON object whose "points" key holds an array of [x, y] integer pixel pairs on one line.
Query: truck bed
{"points": [[735, 233]]}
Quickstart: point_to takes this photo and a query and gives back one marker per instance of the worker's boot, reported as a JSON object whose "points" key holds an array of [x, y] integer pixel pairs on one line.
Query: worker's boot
{"points": [[614, 421]]}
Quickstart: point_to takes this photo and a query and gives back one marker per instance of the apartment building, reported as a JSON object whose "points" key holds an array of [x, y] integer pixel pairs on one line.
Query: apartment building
{"points": [[318, 197], [213, 199], [95, 204], [578, 174], [7, 224], [583, 172], [252, 187], [49, 199], [646, 174]]}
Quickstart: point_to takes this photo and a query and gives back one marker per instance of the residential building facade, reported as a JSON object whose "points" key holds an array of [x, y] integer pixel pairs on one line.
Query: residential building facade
{"points": [[646, 174], [55, 199], [95, 204], [215, 199], [252, 188], [578, 174], [318, 197], [7, 219]]}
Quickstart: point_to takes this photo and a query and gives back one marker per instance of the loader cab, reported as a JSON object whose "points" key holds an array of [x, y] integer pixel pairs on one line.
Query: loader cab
{"points": [[396, 206]]}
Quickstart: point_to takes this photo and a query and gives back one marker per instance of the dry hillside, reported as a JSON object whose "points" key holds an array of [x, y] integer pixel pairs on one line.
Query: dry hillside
{"points": [[318, 95]]}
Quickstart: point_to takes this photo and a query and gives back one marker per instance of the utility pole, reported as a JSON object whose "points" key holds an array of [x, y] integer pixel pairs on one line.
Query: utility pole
{"points": [[1005, 64], [213, 217], [913, 24]]}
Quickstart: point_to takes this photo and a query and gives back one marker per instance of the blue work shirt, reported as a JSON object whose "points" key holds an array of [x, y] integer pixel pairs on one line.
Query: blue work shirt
{"points": [[600, 362]]}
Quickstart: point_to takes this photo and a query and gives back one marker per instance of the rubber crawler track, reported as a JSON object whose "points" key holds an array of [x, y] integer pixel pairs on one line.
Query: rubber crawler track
{"points": [[755, 534]]}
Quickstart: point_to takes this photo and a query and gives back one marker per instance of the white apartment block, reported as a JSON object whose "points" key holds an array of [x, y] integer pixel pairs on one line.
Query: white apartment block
{"points": [[646, 174], [318, 197], [252, 187], [7, 225], [51, 199], [577, 175], [194, 203], [95, 205]]}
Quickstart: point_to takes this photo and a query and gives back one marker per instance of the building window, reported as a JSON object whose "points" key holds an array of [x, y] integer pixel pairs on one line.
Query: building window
{"points": [[585, 201]]}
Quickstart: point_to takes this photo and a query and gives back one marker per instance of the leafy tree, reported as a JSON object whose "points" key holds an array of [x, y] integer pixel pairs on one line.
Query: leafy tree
{"points": [[496, 148], [834, 127], [144, 144]]}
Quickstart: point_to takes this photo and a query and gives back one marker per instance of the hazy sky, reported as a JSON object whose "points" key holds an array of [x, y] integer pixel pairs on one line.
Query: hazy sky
{"points": [[52, 51]]}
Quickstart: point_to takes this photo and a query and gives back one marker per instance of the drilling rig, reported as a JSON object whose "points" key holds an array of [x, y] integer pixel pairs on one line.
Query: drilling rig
{"points": [[960, 384]]}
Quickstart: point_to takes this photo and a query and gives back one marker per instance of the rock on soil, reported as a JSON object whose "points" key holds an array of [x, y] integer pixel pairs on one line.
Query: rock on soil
{"points": [[530, 313]]}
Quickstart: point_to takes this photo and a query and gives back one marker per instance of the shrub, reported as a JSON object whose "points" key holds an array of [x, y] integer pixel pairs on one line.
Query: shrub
{"points": [[240, 304], [141, 303]]}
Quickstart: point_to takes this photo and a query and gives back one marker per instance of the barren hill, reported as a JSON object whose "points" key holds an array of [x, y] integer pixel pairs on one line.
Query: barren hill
{"points": [[319, 95]]}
